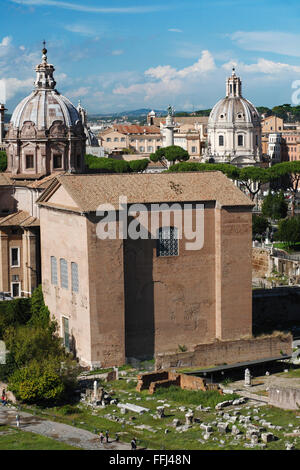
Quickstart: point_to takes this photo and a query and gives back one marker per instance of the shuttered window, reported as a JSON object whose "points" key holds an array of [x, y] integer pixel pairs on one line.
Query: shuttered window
{"points": [[74, 275], [53, 270], [64, 273]]}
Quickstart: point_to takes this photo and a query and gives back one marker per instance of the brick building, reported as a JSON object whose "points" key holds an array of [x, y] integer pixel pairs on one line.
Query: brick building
{"points": [[115, 298]]}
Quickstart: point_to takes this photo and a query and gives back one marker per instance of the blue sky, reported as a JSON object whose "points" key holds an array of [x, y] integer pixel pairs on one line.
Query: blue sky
{"points": [[117, 55]]}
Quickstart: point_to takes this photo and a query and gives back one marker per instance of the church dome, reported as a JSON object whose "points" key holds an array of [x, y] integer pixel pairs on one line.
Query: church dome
{"points": [[234, 128], [236, 110], [43, 107], [45, 104], [233, 109], [46, 133]]}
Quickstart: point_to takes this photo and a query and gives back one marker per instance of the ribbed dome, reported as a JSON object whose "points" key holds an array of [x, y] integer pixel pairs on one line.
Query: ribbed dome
{"points": [[231, 110], [43, 107]]}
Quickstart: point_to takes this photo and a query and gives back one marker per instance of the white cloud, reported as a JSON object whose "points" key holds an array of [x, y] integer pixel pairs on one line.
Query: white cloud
{"points": [[117, 52], [268, 41], [263, 66], [12, 86], [82, 29], [90, 9], [6, 41], [175, 30], [80, 92], [164, 79]]}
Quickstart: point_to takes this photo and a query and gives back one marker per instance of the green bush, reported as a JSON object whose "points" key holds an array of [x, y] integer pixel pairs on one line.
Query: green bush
{"points": [[38, 382], [13, 313]]}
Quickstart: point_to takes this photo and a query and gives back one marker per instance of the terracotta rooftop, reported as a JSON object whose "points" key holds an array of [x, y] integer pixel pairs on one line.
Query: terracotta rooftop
{"points": [[20, 218], [135, 129], [89, 191], [8, 179]]}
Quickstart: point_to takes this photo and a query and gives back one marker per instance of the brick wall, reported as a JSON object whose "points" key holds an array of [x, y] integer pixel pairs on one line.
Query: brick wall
{"points": [[227, 352]]}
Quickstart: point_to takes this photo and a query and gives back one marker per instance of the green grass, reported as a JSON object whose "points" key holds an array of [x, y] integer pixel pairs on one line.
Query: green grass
{"points": [[83, 417], [14, 439], [286, 247], [190, 397]]}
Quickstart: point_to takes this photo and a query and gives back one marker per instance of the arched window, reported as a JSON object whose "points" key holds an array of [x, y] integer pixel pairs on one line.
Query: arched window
{"points": [[240, 140], [167, 243], [221, 140]]}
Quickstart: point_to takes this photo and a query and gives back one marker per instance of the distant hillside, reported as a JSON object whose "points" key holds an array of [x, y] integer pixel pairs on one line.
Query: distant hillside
{"points": [[132, 113]]}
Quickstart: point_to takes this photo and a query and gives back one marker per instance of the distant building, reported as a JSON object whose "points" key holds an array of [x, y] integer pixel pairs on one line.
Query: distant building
{"points": [[92, 144], [290, 145], [141, 139], [274, 148], [45, 137], [234, 129]]}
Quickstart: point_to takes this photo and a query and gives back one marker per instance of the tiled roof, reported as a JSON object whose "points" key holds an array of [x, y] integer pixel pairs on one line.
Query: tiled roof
{"points": [[22, 180], [134, 129], [89, 191], [20, 218]]}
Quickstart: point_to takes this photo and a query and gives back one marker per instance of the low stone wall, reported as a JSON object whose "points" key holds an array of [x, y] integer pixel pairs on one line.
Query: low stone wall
{"points": [[145, 380], [287, 398], [154, 380], [162, 383], [227, 352]]}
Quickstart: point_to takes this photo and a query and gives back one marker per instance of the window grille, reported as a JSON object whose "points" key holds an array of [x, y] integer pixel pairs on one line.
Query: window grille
{"points": [[167, 241]]}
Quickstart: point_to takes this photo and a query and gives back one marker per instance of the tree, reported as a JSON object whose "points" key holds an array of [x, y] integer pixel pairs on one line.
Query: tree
{"points": [[14, 313], [229, 170], [40, 315], [112, 165], [259, 226], [275, 206], [42, 381], [26, 343], [289, 230], [169, 154], [290, 171], [138, 166], [253, 174]]}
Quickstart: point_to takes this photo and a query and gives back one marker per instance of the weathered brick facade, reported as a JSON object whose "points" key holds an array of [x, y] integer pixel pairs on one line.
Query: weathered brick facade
{"points": [[133, 303]]}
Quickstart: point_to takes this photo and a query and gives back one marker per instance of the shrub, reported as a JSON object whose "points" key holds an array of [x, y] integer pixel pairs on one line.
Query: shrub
{"points": [[38, 382], [13, 313]]}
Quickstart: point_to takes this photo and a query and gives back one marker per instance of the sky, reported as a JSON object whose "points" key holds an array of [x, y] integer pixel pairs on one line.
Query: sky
{"points": [[118, 55]]}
